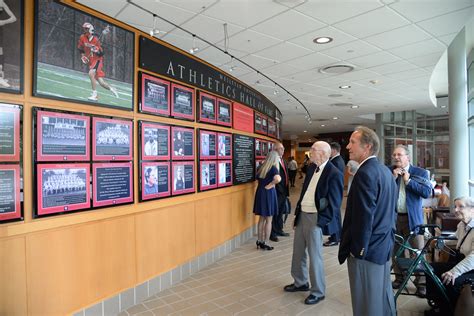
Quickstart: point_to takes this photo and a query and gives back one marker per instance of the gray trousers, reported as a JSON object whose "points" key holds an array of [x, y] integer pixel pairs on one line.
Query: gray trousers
{"points": [[371, 288], [308, 240]]}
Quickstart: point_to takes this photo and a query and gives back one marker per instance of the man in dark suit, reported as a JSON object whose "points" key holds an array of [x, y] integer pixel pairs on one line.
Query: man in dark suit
{"points": [[320, 199], [283, 192], [368, 229], [413, 186], [337, 161]]}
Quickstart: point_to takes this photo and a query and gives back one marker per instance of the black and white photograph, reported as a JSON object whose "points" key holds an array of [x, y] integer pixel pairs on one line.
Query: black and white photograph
{"points": [[182, 103], [258, 123], [82, 58], [183, 143], [62, 137], [207, 108], [154, 95], [113, 139], [208, 175], [113, 183], [62, 188], [224, 173], [183, 177], [155, 180], [207, 144], [264, 125], [155, 141], [224, 112], [224, 146], [272, 128]]}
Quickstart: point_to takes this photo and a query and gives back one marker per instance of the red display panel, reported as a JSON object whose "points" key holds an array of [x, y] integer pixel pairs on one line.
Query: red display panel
{"points": [[207, 144], [155, 141], [62, 188], [243, 118], [113, 183], [272, 128], [156, 180], [207, 175], [207, 108], [154, 95], [9, 132], [224, 173], [10, 207], [224, 146], [183, 177], [224, 112], [182, 144], [62, 137], [182, 102], [112, 139]]}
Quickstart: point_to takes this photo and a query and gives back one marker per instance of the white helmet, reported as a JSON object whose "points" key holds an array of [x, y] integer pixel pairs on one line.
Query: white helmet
{"points": [[89, 27]]}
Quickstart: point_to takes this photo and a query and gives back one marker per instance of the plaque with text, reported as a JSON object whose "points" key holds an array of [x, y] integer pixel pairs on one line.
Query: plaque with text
{"points": [[154, 95], [156, 180], [113, 183], [207, 108], [155, 141], [182, 146], [182, 102], [243, 159], [224, 173], [207, 175], [243, 118], [112, 139], [224, 112], [10, 206], [183, 177], [9, 132]]}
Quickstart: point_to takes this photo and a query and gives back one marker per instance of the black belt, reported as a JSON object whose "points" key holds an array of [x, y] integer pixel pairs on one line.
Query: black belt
{"points": [[402, 214]]}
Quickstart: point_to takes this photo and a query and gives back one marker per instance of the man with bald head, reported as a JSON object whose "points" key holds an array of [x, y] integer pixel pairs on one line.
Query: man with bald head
{"points": [[320, 199]]}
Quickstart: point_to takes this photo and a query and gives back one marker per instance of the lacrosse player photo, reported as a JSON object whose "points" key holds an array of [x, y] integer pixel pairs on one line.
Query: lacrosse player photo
{"points": [[82, 58]]}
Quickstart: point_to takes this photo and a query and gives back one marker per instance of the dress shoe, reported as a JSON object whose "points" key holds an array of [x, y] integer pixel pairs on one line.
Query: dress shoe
{"points": [[274, 238], [396, 284], [294, 288], [283, 234], [330, 243], [311, 299]]}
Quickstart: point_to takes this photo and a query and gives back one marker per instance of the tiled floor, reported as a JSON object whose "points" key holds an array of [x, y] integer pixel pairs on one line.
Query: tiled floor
{"points": [[250, 282]]}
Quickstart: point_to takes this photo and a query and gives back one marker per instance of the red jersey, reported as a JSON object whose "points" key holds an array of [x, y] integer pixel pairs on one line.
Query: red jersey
{"points": [[89, 45]]}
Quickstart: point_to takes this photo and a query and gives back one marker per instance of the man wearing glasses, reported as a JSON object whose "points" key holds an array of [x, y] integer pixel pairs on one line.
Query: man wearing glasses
{"points": [[413, 186]]}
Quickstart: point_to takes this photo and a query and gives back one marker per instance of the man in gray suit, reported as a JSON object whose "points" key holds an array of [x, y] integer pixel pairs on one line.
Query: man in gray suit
{"points": [[320, 199]]}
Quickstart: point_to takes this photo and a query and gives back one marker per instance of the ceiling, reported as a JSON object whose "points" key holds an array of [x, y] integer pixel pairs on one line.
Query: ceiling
{"points": [[393, 46]]}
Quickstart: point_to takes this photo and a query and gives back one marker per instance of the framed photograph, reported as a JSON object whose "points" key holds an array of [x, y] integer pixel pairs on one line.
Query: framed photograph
{"points": [[258, 123], [271, 145], [62, 137], [264, 124], [224, 112], [62, 188], [264, 148], [224, 146], [182, 145], [183, 177], [9, 132], [207, 144], [11, 44], [82, 58], [272, 128], [113, 183], [207, 108], [258, 148], [10, 205], [155, 141], [112, 139], [154, 95], [156, 180], [182, 102], [224, 173], [207, 175]]}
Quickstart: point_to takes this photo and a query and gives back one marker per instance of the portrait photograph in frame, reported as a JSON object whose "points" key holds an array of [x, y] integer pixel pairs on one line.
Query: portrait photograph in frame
{"points": [[224, 173], [62, 188], [62, 136], [155, 141], [155, 180], [10, 198], [9, 132], [183, 177], [207, 144], [224, 146], [258, 123], [154, 95], [207, 175], [264, 125], [83, 58], [272, 128], [112, 139], [207, 108], [112, 183], [182, 102], [224, 112], [182, 143]]}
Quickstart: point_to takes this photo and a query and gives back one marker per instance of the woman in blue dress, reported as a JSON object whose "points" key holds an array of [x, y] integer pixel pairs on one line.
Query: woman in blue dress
{"points": [[266, 203]]}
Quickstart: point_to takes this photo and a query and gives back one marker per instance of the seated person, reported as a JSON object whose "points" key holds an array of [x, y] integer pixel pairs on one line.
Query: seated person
{"points": [[453, 274]]}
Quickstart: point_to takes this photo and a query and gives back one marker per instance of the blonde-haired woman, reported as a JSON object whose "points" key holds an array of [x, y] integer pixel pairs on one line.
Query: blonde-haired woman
{"points": [[266, 203]]}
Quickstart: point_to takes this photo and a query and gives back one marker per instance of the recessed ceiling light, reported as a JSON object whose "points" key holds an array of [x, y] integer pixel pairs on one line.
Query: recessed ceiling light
{"points": [[443, 106], [336, 69], [345, 87], [322, 125], [374, 81], [335, 95], [305, 131], [335, 118], [354, 106], [322, 40]]}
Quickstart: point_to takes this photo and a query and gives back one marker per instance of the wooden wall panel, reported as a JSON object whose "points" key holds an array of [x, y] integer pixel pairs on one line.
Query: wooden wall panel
{"points": [[13, 277], [213, 222], [73, 267], [165, 238], [242, 209]]}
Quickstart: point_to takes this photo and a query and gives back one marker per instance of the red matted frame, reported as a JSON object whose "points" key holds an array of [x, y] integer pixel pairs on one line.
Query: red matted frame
{"points": [[41, 210], [228, 164], [143, 127], [270, 146], [39, 128], [117, 201], [175, 146], [223, 103], [210, 185], [212, 116], [202, 155], [258, 150], [258, 162], [175, 113], [272, 128], [16, 187], [227, 145], [159, 194], [15, 110], [264, 148], [258, 123], [147, 107], [265, 124], [97, 157], [183, 164]]}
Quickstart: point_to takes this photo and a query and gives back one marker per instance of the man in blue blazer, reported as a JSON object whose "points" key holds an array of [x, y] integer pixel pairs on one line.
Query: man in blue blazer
{"points": [[320, 199], [368, 231], [413, 186]]}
